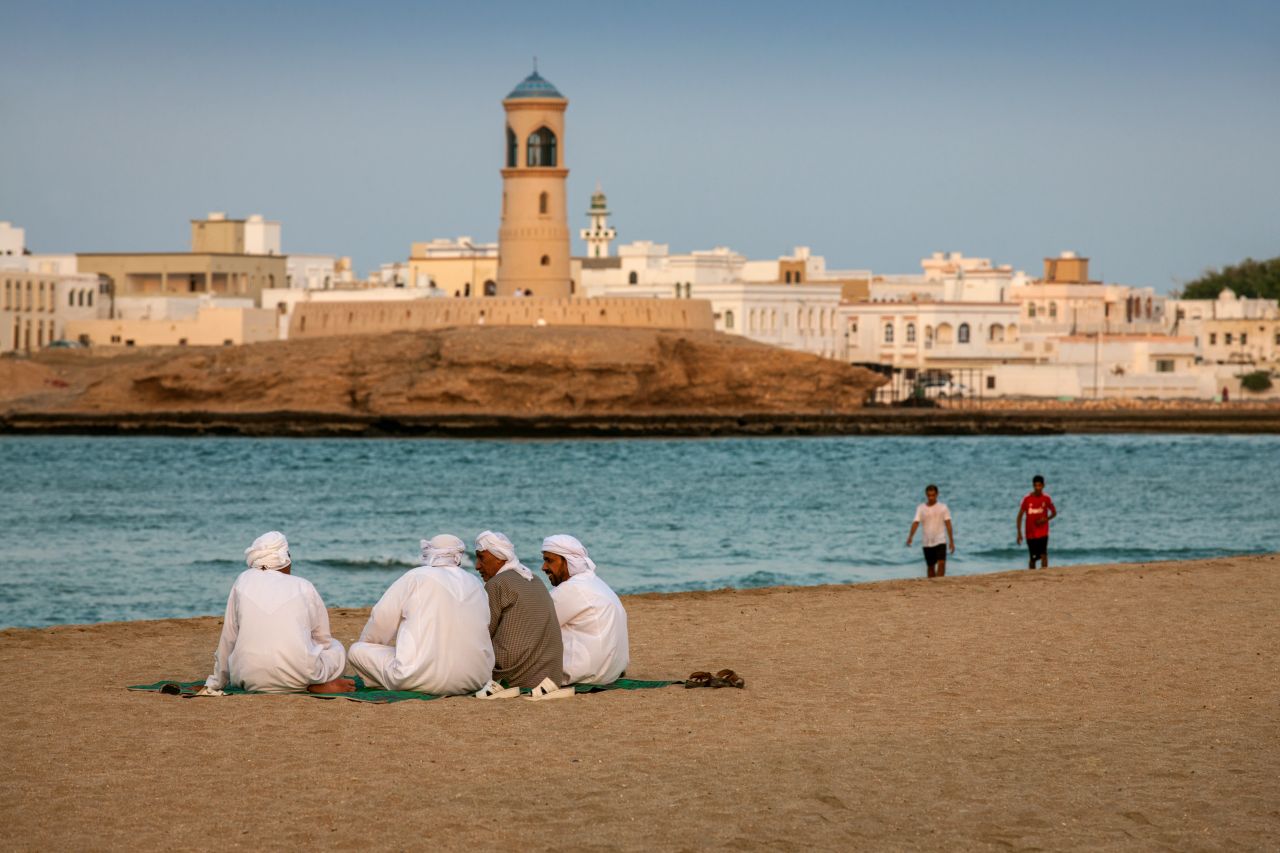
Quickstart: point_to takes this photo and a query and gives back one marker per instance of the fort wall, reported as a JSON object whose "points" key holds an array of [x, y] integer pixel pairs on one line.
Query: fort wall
{"points": [[326, 319]]}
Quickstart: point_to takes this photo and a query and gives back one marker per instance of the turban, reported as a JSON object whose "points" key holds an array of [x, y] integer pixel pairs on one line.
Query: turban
{"points": [[443, 550], [268, 551], [574, 552], [500, 546]]}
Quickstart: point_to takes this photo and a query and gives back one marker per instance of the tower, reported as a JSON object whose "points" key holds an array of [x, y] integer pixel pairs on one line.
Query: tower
{"points": [[599, 235], [533, 242]]}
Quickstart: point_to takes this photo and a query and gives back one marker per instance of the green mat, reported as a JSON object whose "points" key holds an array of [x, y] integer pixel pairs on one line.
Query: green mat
{"points": [[384, 697], [363, 693]]}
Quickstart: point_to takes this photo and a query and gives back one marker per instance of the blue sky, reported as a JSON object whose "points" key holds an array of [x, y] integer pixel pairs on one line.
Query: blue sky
{"points": [[1144, 135]]}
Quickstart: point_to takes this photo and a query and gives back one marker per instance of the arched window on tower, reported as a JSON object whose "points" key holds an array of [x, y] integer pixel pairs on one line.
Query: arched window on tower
{"points": [[546, 260], [962, 334], [728, 319], [541, 148], [633, 278], [542, 203], [513, 146]]}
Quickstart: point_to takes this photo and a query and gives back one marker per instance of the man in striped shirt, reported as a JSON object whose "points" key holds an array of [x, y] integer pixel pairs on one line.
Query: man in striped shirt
{"points": [[527, 647]]}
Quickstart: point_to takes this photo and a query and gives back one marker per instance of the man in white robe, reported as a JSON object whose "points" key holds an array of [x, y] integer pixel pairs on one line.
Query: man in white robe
{"points": [[275, 636], [593, 624], [430, 630]]}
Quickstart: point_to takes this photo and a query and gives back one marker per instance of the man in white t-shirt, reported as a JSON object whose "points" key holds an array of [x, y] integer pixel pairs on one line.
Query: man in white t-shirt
{"points": [[934, 521]]}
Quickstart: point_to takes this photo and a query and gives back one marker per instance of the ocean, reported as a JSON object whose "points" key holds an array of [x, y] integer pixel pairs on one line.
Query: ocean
{"points": [[99, 529]]}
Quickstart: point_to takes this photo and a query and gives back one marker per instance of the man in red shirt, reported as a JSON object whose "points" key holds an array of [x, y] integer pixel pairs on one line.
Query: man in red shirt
{"points": [[1039, 510]]}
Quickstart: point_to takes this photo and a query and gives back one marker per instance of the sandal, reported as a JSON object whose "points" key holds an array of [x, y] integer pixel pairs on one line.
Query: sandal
{"points": [[494, 690], [699, 679], [729, 678]]}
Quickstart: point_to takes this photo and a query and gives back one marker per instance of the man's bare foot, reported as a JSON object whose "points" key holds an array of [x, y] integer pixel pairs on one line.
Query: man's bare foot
{"points": [[338, 685]]}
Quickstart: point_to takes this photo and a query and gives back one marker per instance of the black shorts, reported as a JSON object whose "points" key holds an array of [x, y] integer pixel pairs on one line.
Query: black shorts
{"points": [[935, 553], [1038, 546]]}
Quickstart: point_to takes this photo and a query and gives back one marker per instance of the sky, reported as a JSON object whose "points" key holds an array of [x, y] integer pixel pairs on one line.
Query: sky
{"points": [[1144, 135]]}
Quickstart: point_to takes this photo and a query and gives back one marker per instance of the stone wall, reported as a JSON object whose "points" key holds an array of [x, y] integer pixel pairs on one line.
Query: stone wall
{"points": [[325, 319]]}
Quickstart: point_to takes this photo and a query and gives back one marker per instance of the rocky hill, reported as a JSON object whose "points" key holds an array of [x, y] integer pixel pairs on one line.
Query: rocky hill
{"points": [[472, 372]]}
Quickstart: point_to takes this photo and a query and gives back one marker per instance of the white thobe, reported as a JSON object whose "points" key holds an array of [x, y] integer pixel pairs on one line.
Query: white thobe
{"points": [[593, 626], [275, 636], [429, 632]]}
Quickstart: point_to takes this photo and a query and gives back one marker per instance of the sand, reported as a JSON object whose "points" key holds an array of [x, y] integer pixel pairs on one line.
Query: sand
{"points": [[1135, 707]]}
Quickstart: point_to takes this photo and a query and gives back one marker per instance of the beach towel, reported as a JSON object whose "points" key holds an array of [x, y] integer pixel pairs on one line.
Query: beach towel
{"points": [[384, 697]]}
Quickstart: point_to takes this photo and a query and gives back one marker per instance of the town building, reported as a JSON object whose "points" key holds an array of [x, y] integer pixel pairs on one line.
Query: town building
{"points": [[790, 302], [1230, 329], [222, 236], [177, 321], [37, 308], [186, 273], [13, 240], [41, 294], [460, 267], [533, 240], [318, 272]]}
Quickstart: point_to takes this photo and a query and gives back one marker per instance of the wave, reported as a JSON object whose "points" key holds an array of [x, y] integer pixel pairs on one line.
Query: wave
{"points": [[1115, 555], [344, 564]]}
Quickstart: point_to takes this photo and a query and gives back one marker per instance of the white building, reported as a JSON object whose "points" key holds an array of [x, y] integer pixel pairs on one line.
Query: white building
{"points": [[35, 308], [261, 236], [318, 272], [949, 277], [13, 240], [747, 298]]}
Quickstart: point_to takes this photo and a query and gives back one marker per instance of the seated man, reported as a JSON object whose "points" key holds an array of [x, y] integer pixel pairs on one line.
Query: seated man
{"points": [[593, 625], [430, 630], [522, 618], [275, 636]]}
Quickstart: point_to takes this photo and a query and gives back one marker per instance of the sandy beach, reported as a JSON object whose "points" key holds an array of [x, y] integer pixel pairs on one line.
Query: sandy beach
{"points": [[1133, 707]]}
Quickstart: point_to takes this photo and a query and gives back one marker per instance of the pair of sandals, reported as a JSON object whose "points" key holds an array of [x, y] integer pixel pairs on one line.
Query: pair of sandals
{"points": [[723, 678], [548, 689]]}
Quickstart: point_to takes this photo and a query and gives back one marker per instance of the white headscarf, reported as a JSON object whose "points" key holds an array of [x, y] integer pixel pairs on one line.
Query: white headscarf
{"points": [[269, 551], [500, 546], [443, 550], [574, 552]]}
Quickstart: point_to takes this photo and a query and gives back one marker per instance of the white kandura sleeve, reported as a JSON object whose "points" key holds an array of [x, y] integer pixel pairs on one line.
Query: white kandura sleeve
{"points": [[570, 604], [384, 619], [918, 518], [226, 643], [331, 660]]}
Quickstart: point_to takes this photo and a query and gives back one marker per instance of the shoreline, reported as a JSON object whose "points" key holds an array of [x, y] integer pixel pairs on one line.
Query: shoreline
{"points": [[1227, 419], [681, 596], [1073, 708]]}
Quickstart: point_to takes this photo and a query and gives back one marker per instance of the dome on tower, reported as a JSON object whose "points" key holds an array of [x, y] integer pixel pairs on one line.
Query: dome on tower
{"points": [[535, 86]]}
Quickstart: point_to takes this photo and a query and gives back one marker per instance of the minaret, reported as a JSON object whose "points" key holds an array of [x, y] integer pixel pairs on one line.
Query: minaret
{"points": [[599, 235], [533, 242]]}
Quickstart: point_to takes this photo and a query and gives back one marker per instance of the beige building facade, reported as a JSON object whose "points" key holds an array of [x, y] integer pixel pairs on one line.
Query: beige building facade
{"points": [[459, 267], [186, 274], [325, 319], [211, 325], [533, 240], [219, 235]]}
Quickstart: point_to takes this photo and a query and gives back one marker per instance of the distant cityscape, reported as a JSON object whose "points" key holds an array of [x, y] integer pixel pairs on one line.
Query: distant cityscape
{"points": [[960, 327]]}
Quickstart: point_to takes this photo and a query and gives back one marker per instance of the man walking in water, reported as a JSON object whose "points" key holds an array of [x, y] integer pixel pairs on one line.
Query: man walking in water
{"points": [[1039, 510], [935, 518]]}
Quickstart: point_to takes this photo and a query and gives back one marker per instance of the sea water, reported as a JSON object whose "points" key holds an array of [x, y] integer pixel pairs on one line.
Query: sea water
{"points": [[102, 529]]}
